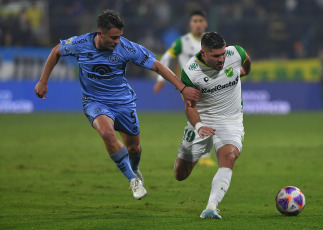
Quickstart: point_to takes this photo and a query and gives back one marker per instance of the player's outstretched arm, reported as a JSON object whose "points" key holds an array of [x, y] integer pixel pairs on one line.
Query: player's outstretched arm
{"points": [[53, 58], [189, 94], [194, 118], [160, 83], [246, 67]]}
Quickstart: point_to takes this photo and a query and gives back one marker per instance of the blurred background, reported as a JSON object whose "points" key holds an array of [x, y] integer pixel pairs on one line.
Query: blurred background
{"points": [[284, 38]]}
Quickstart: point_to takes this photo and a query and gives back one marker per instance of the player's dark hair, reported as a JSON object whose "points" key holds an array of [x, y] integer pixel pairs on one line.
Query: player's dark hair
{"points": [[198, 12], [109, 19], [213, 40]]}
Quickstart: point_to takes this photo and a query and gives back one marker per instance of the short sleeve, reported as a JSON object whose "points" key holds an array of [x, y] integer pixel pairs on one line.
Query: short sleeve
{"points": [[176, 48], [242, 53], [67, 47], [186, 80], [139, 55]]}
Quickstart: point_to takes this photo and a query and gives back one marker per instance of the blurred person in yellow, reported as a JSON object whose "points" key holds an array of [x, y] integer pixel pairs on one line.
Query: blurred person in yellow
{"points": [[184, 48], [34, 16]]}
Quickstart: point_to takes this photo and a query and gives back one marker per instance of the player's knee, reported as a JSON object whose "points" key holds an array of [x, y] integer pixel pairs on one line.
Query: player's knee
{"points": [[134, 149], [180, 175], [108, 136], [230, 158]]}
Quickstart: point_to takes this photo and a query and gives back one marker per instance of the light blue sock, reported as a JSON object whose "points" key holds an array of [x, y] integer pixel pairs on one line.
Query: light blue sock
{"points": [[121, 159], [134, 161]]}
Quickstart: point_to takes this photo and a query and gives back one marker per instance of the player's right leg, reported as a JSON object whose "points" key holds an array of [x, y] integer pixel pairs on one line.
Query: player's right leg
{"points": [[118, 153], [101, 119], [189, 152]]}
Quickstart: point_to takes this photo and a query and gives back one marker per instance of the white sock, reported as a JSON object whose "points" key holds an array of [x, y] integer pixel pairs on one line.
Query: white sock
{"points": [[220, 185]]}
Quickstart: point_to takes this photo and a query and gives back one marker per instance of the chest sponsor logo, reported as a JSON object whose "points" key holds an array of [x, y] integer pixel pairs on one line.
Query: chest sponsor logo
{"points": [[114, 58], [132, 50], [220, 87], [193, 66], [99, 71], [229, 71], [143, 61], [79, 41], [206, 79]]}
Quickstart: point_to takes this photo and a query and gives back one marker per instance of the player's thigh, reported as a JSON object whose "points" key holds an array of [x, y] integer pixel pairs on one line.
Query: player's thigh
{"points": [[94, 109], [193, 146], [126, 120], [228, 135], [183, 168]]}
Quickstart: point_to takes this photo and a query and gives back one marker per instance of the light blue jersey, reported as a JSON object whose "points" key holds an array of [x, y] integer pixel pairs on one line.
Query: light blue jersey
{"points": [[103, 73]]}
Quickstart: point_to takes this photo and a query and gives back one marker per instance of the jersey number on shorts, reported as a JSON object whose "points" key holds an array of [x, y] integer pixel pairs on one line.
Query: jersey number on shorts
{"points": [[189, 135]]}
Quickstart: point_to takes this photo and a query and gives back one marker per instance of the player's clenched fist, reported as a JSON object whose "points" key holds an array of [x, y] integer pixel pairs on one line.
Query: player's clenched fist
{"points": [[190, 94], [41, 90]]}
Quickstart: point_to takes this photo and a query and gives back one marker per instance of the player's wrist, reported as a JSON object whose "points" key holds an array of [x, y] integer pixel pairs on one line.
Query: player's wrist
{"points": [[181, 91], [198, 125]]}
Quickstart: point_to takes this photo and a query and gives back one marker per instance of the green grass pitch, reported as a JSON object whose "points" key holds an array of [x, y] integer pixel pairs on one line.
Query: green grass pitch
{"points": [[56, 174]]}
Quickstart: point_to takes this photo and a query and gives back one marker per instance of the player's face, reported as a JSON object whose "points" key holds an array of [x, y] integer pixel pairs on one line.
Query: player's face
{"points": [[109, 39], [198, 24], [214, 57]]}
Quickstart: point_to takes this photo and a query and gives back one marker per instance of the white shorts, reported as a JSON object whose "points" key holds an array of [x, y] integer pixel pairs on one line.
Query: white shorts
{"points": [[193, 146]]}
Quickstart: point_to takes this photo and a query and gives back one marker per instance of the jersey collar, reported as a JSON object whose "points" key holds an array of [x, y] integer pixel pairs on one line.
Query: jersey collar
{"points": [[200, 60]]}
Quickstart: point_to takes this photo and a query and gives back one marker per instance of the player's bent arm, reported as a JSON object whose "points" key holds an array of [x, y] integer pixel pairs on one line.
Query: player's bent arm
{"points": [[194, 118], [246, 67], [53, 58], [190, 94]]}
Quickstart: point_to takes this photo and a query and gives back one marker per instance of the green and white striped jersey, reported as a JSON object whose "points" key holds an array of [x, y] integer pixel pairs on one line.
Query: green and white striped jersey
{"points": [[220, 91]]}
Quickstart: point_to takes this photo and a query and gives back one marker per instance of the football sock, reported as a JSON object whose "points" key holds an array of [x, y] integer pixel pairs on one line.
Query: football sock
{"points": [[220, 185], [121, 159], [134, 161]]}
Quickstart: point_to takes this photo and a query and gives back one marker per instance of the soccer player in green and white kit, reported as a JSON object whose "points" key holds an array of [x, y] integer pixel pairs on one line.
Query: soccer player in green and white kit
{"points": [[216, 120], [184, 48]]}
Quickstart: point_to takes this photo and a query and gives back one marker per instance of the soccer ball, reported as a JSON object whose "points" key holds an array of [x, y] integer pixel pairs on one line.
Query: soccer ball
{"points": [[290, 201]]}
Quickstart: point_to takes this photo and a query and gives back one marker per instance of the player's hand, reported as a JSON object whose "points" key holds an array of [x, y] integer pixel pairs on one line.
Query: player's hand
{"points": [[191, 95], [159, 86], [41, 90], [205, 131]]}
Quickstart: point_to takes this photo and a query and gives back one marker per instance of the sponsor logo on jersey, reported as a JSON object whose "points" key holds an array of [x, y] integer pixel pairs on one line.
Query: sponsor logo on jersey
{"points": [[132, 50], [100, 71], [229, 53], [206, 79], [220, 87], [69, 40], [114, 58], [229, 71], [193, 66], [143, 61], [83, 40]]}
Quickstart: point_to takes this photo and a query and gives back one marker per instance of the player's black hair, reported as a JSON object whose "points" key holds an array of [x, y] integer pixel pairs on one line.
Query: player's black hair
{"points": [[109, 19], [213, 40], [198, 12]]}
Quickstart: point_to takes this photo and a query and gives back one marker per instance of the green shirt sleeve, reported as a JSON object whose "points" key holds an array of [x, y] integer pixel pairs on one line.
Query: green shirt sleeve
{"points": [[242, 53], [176, 48], [186, 80]]}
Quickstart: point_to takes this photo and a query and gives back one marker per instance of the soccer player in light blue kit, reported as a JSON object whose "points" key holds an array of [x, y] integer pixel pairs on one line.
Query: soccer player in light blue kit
{"points": [[108, 99]]}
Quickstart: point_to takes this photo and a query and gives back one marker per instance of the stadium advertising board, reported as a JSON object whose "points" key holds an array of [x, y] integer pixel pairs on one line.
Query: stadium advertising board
{"points": [[258, 98]]}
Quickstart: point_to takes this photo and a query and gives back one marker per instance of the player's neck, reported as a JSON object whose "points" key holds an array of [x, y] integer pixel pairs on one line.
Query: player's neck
{"points": [[197, 36]]}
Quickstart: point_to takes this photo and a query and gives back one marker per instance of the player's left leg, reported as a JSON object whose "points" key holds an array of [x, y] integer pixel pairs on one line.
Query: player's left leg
{"points": [[183, 168], [227, 156], [133, 146]]}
